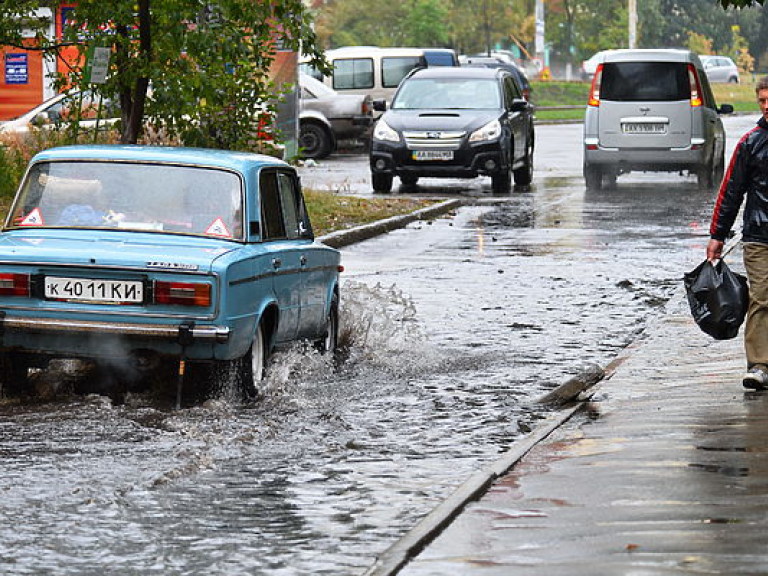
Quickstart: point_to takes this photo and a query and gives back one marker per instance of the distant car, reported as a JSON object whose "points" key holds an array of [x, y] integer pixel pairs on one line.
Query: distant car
{"points": [[140, 257], [495, 62], [325, 117], [57, 111], [454, 122], [652, 110], [441, 57], [720, 69], [589, 65]]}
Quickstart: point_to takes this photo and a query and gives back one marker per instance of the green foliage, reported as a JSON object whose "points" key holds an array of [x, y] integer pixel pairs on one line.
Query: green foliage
{"points": [[207, 67]]}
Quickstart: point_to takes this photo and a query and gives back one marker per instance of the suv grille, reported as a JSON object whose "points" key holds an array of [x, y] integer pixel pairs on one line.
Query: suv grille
{"points": [[437, 139]]}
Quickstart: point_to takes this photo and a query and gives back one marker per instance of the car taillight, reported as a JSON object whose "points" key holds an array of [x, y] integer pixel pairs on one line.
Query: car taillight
{"points": [[366, 108], [183, 293], [14, 284], [594, 90], [693, 78]]}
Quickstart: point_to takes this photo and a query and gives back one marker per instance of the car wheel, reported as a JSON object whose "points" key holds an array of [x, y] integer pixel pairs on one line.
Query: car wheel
{"points": [[329, 342], [501, 183], [382, 183], [314, 140], [706, 176], [409, 180], [593, 177], [524, 175], [733, 80], [13, 372], [719, 169], [253, 365]]}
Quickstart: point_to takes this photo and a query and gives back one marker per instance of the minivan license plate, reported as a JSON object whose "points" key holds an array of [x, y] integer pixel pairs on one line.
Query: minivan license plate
{"points": [[643, 128], [432, 154], [90, 290]]}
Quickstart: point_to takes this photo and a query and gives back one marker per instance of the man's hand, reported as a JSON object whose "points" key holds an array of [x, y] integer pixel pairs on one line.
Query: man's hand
{"points": [[714, 249]]}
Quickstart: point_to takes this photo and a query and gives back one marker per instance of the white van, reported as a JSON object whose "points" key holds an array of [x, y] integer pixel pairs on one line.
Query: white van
{"points": [[654, 111], [368, 69]]}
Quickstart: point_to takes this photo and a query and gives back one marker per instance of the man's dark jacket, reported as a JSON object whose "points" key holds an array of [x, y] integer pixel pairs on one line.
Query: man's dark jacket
{"points": [[747, 174]]}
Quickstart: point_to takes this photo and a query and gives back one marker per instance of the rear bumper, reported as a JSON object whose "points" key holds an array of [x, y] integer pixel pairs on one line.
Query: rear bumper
{"points": [[184, 332], [654, 159]]}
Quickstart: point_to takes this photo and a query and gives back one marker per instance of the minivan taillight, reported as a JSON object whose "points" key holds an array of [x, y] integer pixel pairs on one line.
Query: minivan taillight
{"points": [[14, 284], [594, 90], [696, 93], [183, 293]]}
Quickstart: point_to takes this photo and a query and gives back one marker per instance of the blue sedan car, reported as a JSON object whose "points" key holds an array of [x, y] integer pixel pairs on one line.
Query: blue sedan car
{"points": [[144, 257]]}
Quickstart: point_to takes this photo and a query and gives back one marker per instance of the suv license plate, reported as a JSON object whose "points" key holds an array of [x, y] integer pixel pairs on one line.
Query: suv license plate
{"points": [[432, 154], [643, 128], [89, 290]]}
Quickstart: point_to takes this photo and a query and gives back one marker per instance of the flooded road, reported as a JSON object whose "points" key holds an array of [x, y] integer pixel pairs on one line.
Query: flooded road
{"points": [[454, 327]]}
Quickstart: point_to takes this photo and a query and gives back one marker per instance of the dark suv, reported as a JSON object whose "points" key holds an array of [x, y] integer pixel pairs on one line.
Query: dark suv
{"points": [[454, 122]]}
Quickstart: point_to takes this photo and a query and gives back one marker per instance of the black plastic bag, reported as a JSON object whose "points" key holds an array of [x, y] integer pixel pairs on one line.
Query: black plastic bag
{"points": [[718, 298]]}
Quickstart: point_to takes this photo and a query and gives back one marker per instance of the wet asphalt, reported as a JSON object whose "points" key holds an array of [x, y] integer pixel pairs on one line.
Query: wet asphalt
{"points": [[457, 325]]}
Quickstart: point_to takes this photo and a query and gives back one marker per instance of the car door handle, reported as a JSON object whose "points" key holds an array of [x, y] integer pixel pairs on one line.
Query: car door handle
{"points": [[303, 260], [276, 263]]}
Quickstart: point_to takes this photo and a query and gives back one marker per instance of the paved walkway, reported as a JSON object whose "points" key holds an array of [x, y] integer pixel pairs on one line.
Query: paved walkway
{"points": [[666, 472]]}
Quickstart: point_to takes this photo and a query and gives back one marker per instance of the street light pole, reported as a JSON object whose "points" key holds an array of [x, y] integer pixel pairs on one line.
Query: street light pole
{"points": [[632, 9]]}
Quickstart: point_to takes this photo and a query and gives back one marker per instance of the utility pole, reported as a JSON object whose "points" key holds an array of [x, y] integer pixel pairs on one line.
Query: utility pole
{"points": [[632, 9]]}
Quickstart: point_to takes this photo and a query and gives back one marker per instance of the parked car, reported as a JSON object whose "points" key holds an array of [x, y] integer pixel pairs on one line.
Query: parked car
{"points": [[57, 111], [589, 66], [441, 57], [495, 62], [325, 117], [652, 110], [456, 122], [368, 69], [720, 69], [147, 256]]}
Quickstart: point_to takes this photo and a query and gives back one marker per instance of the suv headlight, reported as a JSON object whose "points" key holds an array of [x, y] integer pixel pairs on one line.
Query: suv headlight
{"points": [[490, 131], [382, 131]]}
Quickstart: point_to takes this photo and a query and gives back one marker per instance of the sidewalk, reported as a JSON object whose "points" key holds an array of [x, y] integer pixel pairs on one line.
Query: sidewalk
{"points": [[664, 472]]}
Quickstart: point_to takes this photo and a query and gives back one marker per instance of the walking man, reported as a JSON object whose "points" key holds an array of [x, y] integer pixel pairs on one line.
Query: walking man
{"points": [[747, 175]]}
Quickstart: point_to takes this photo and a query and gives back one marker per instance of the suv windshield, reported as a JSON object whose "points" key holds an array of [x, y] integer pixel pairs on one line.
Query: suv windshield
{"points": [[142, 197], [649, 81], [468, 93]]}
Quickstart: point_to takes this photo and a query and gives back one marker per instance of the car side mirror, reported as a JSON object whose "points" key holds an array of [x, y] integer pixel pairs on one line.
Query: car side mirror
{"points": [[725, 109], [519, 105], [380, 105], [40, 119]]}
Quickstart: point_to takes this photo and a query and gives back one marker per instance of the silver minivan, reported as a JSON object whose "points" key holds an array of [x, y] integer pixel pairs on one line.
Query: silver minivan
{"points": [[652, 110]]}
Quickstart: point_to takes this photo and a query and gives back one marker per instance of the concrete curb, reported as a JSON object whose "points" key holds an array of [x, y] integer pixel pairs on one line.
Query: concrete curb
{"points": [[366, 231]]}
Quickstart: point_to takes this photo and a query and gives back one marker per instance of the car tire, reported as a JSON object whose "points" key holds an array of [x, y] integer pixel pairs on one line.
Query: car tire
{"points": [[330, 341], [501, 183], [315, 141], [593, 177], [524, 175], [706, 176], [14, 373], [409, 180], [382, 183], [719, 169], [253, 366]]}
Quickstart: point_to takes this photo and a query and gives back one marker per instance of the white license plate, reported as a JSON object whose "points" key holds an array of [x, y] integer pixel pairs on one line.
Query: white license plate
{"points": [[90, 290], [432, 154], [643, 128]]}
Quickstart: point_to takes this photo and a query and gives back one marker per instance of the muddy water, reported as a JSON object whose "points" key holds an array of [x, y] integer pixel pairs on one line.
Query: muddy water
{"points": [[454, 328]]}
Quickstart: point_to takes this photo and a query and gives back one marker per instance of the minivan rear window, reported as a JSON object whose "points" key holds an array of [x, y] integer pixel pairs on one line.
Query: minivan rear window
{"points": [[648, 81]]}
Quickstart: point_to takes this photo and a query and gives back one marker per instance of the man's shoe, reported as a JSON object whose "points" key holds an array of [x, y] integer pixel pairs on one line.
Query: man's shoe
{"points": [[756, 378]]}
